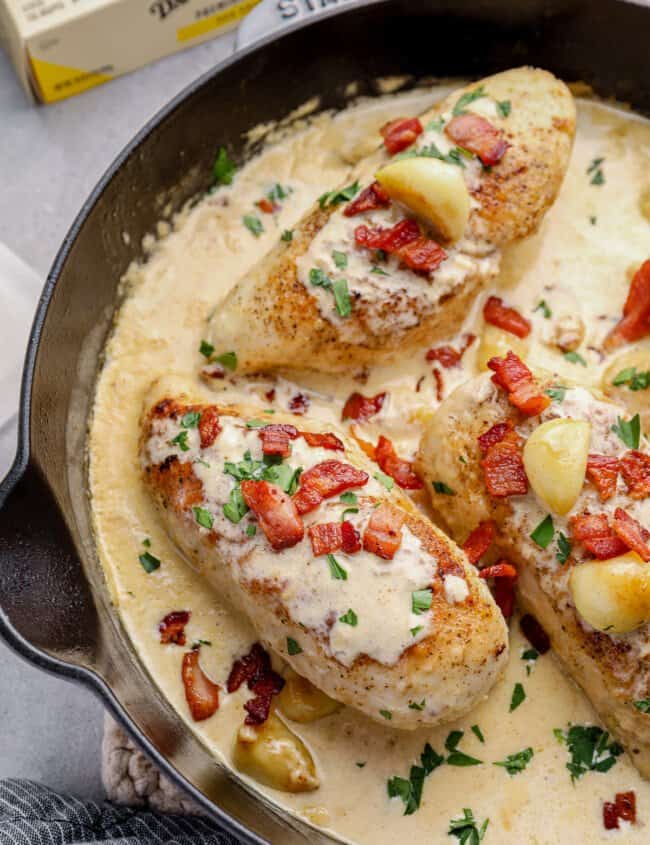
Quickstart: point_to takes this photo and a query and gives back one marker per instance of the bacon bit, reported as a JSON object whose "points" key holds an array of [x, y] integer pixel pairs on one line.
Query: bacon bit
{"points": [[534, 633], [603, 473], [266, 205], [372, 197], [383, 534], [209, 426], [351, 539], [632, 533], [326, 479], [595, 534], [498, 432], [610, 816], [447, 356], [506, 318], [325, 441], [299, 404], [479, 540], [623, 808], [404, 240], [275, 439], [360, 408], [172, 627], [401, 133], [504, 575], [504, 472], [325, 538], [364, 445], [476, 134], [635, 467], [635, 322], [400, 471], [270, 395], [201, 693], [255, 669], [503, 569], [440, 384], [276, 512], [513, 375], [214, 370]]}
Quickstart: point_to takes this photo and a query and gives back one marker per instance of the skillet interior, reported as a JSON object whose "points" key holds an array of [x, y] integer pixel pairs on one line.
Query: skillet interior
{"points": [[54, 604]]}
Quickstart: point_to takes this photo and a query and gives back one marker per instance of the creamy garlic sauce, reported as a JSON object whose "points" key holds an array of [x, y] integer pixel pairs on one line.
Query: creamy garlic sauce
{"points": [[577, 263]]}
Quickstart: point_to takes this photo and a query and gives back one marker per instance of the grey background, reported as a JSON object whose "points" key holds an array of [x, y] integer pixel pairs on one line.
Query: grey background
{"points": [[50, 158]]}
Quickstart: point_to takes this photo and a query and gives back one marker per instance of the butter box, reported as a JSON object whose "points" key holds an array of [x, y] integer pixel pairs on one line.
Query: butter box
{"points": [[63, 47]]}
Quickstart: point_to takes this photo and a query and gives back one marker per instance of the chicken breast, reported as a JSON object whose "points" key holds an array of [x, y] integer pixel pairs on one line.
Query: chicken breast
{"points": [[612, 668], [326, 301], [343, 578]]}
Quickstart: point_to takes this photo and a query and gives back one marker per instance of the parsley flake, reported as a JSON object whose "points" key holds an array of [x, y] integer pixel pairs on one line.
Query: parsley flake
{"points": [[293, 647], [384, 479], [441, 487], [518, 696], [338, 195], [421, 601], [642, 705], [515, 763], [629, 431], [544, 532], [465, 828], [348, 498], [251, 529], [557, 392], [415, 631], [575, 358], [350, 618], [234, 509], [632, 379], [191, 419], [342, 297], [563, 548], [504, 107], [386, 714], [340, 259], [417, 705], [287, 236], [596, 172], [478, 733], [149, 562], [336, 570], [203, 517], [543, 307], [468, 98], [319, 278], [181, 441], [378, 270], [253, 224], [228, 360], [590, 749], [410, 789], [224, 168], [206, 349]]}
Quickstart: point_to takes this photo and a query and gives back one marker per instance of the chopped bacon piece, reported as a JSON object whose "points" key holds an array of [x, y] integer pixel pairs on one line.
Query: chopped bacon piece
{"points": [[535, 634], [390, 240], [603, 473], [479, 540], [423, 255], [496, 434], [325, 538], [364, 445], [476, 134], [383, 534], [209, 426], [325, 441], [503, 569], [266, 205], [201, 693], [259, 707], [508, 319], [595, 534], [276, 512], [440, 384], [372, 197], [610, 816], [632, 533], [275, 439], [513, 375], [605, 548], [299, 404], [445, 355], [326, 479], [504, 575], [350, 538], [360, 408], [635, 467], [400, 471], [270, 395], [255, 669], [401, 133], [504, 472], [172, 627], [635, 322], [623, 808]]}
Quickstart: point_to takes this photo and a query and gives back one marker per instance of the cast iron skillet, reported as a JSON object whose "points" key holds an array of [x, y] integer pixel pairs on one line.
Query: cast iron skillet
{"points": [[54, 606]]}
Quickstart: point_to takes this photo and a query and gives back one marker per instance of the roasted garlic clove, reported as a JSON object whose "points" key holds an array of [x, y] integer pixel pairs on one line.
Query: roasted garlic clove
{"points": [[302, 702], [555, 459], [566, 332], [432, 189], [496, 343], [273, 755], [613, 595]]}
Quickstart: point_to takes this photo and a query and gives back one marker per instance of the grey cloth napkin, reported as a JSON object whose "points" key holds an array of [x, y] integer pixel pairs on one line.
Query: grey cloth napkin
{"points": [[32, 814]]}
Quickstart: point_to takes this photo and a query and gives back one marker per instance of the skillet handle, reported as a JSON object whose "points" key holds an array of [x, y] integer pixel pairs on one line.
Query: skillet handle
{"points": [[270, 17]]}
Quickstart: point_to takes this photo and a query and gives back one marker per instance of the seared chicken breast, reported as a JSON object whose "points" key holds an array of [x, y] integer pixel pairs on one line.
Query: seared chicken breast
{"points": [[394, 257], [343, 578], [567, 491]]}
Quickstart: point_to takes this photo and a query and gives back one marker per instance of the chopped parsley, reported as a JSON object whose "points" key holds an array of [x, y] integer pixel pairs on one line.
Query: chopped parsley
{"points": [[284, 476], [593, 219], [350, 618], [515, 763], [518, 696], [453, 738], [198, 643], [228, 360], [348, 498], [557, 392], [340, 259], [386, 714], [361, 765], [336, 570], [278, 192], [410, 789], [563, 548], [530, 655], [146, 543], [504, 107], [417, 705], [468, 98], [293, 647], [590, 749], [287, 236], [181, 441], [235, 508], [338, 195], [253, 224], [544, 532], [347, 511], [223, 168], [454, 156], [415, 631], [456, 757], [435, 125], [251, 529], [632, 379], [629, 431], [149, 562], [643, 705], [441, 487], [203, 517], [378, 270], [596, 172], [575, 358], [543, 307], [465, 828], [421, 601], [206, 349], [384, 479], [191, 419], [256, 423], [478, 733], [342, 297], [319, 278]]}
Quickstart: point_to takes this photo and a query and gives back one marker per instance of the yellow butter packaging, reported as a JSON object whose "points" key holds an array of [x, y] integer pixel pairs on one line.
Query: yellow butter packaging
{"points": [[63, 47]]}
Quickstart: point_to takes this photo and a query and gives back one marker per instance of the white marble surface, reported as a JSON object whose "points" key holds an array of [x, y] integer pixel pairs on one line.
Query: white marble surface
{"points": [[50, 158]]}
